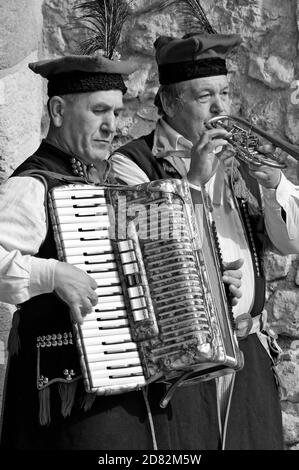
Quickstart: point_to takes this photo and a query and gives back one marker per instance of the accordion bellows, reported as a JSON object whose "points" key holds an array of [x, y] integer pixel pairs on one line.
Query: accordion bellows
{"points": [[162, 313]]}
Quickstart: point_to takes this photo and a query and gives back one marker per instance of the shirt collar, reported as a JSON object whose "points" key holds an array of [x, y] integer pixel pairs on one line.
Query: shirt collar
{"points": [[168, 139]]}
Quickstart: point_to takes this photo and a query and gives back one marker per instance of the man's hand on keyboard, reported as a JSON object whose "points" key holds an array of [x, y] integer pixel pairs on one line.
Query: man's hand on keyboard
{"points": [[232, 276], [76, 289]]}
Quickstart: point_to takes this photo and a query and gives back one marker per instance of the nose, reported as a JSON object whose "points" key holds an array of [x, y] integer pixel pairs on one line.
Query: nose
{"points": [[109, 123], [217, 105]]}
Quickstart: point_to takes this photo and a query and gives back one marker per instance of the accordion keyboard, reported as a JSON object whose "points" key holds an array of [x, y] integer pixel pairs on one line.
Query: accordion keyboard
{"points": [[108, 353]]}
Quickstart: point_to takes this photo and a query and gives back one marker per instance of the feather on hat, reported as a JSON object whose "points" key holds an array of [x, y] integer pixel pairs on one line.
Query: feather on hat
{"points": [[95, 69]]}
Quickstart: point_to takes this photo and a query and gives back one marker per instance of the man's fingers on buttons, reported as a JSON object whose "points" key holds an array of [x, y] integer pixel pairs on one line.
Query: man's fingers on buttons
{"points": [[233, 274], [94, 301], [93, 298], [76, 314], [235, 291], [87, 307], [236, 283], [93, 284]]}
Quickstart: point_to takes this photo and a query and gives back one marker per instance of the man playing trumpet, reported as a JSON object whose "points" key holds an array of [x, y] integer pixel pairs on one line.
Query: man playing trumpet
{"points": [[194, 88]]}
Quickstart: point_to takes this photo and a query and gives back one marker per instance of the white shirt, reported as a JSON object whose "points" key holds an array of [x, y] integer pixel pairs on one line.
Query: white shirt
{"points": [[233, 243], [22, 231]]}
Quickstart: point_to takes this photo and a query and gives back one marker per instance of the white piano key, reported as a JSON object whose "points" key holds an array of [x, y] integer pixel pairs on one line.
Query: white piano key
{"points": [[95, 220], [105, 324], [100, 382], [101, 291], [123, 333], [89, 235], [110, 342], [103, 269], [90, 259], [115, 299], [126, 371], [105, 279], [112, 306], [77, 191], [90, 201], [113, 315], [100, 348], [83, 228], [104, 244], [129, 357], [97, 211]]}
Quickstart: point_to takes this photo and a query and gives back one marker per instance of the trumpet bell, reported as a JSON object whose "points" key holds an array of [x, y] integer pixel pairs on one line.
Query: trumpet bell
{"points": [[244, 137]]}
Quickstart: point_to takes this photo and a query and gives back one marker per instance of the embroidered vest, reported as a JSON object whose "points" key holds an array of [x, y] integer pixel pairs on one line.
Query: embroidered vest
{"points": [[42, 327]]}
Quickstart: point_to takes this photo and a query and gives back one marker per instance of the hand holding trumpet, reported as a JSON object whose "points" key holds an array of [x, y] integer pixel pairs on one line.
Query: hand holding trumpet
{"points": [[204, 161], [266, 176]]}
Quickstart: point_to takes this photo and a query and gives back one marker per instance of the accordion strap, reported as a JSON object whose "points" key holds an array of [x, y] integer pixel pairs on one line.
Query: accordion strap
{"points": [[42, 174], [170, 392]]}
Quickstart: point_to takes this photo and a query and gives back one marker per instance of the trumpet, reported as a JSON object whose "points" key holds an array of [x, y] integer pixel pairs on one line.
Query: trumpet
{"points": [[244, 137]]}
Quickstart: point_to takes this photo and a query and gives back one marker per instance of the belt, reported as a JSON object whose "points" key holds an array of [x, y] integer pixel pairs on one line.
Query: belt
{"points": [[247, 325]]}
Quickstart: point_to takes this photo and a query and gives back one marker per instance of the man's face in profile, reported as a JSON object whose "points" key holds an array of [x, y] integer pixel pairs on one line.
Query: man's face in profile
{"points": [[89, 123]]}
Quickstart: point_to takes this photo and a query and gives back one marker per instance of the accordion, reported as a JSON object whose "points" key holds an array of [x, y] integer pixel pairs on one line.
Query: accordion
{"points": [[162, 312]]}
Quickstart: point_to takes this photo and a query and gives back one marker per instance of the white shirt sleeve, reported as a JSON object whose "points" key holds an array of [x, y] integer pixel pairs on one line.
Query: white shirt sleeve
{"points": [[22, 230], [126, 170], [284, 234]]}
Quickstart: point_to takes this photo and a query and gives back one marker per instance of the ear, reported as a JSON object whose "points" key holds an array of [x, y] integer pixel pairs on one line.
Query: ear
{"points": [[167, 105], [56, 107]]}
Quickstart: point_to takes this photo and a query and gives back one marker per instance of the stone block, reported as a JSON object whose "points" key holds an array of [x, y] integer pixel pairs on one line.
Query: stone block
{"points": [[136, 83], [285, 313], [276, 266], [290, 419], [273, 71], [289, 375], [6, 312], [292, 116], [20, 116], [19, 19], [141, 37]]}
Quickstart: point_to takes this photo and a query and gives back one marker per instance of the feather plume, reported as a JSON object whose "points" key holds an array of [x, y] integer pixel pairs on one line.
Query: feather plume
{"points": [[104, 20], [189, 14], [194, 17], [155, 7]]}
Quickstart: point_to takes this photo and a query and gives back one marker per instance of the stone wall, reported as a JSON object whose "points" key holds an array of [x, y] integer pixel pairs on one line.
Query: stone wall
{"points": [[264, 80], [20, 105]]}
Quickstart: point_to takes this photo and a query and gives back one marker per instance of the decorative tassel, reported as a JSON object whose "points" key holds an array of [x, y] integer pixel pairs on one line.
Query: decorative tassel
{"points": [[44, 406], [241, 191], [67, 392], [13, 344], [87, 401]]}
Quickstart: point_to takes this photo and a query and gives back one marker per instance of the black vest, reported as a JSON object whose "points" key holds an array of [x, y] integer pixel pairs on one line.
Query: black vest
{"points": [[44, 328]]}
